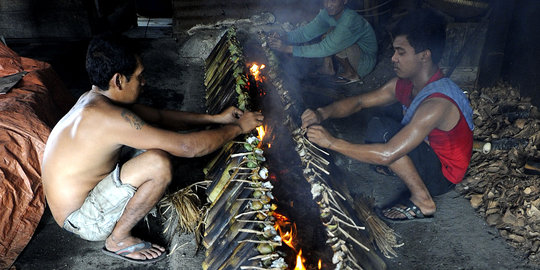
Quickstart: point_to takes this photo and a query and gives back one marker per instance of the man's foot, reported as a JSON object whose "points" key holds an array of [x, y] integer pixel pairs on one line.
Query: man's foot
{"points": [[406, 211], [134, 250], [341, 80]]}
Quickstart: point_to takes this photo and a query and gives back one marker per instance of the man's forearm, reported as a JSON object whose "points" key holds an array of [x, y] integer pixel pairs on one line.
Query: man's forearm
{"points": [[185, 120], [177, 120], [211, 140], [340, 109]]}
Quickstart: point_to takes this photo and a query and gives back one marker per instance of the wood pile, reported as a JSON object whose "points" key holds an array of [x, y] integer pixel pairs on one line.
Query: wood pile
{"points": [[507, 137]]}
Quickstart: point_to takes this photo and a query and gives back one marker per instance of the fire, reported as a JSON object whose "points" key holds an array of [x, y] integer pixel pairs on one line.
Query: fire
{"points": [[299, 262], [288, 237], [260, 130], [256, 71], [319, 264]]}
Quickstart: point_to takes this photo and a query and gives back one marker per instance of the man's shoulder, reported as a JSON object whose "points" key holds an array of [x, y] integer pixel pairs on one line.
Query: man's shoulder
{"points": [[94, 112], [352, 16], [98, 105]]}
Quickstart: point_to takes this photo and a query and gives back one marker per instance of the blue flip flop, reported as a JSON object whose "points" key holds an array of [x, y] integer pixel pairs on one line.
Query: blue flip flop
{"points": [[340, 80], [121, 254]]}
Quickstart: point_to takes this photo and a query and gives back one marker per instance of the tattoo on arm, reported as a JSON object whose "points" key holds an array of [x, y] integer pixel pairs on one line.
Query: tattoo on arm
{"points": [[133, 120]]}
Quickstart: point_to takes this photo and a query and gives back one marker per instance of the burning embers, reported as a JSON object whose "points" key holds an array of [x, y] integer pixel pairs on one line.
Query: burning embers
{"points": [[255, 70]]}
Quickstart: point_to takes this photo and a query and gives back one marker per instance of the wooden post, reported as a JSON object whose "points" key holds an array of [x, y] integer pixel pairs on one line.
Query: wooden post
{"points": [[492, 57]]}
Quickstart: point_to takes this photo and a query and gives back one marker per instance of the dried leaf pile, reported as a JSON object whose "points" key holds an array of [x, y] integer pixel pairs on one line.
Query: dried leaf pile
{"points": [[496, 182]]}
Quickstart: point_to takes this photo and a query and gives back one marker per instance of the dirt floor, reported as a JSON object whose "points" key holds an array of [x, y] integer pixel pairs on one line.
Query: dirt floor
{"points": [[457, 238]]}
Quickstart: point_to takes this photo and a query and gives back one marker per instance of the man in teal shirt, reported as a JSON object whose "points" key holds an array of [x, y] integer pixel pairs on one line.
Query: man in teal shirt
{"points": [[347, 36]]}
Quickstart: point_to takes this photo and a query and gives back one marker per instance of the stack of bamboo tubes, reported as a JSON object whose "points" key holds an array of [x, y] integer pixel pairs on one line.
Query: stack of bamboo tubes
{"points": [[239, 225], [225, 77]]}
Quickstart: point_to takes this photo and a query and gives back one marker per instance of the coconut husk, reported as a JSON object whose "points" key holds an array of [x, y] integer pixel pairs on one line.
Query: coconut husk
{"points": [[496, 182]]}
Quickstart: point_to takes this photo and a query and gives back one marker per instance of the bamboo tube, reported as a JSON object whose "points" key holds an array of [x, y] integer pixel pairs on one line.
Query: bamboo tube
{"points": [[220, 68], [229, 240], [219, 159], [224, 50], [227, 84], [214, 191], [214, 51], [220, 104], [233, 190], [241, 258], [223, 73], [223, 218], [215, 262]]}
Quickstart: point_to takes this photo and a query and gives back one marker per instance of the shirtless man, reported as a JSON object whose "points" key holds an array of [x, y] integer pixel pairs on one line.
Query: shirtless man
{"points": [[89, 193], [431, 148]]}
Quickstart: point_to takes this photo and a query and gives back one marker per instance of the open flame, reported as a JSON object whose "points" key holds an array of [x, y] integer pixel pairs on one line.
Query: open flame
{"points": [[260, 131], [256, 71], [287, 231], [299, 262]]}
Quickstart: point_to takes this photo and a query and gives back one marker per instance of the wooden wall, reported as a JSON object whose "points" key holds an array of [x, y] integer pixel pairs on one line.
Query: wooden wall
{"points": [[35, 19]]}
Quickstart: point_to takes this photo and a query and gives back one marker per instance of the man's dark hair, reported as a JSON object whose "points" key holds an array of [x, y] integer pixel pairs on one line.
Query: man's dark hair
{"points": [[425, 30], [108, 54]]}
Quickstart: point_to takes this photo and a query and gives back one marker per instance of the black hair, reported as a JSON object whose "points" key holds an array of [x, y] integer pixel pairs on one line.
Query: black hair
{"points": [[108, 54], [425, 30]]}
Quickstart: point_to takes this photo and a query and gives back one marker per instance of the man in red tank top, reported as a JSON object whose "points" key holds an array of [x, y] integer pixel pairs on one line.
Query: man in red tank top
{"points": [[430, 149]]}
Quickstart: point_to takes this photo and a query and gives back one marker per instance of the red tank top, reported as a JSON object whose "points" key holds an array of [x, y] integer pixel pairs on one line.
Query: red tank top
{"points": [[453, 147]]}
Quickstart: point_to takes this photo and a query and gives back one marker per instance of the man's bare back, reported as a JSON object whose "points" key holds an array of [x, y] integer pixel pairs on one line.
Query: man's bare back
{"points": [[79, 154]]}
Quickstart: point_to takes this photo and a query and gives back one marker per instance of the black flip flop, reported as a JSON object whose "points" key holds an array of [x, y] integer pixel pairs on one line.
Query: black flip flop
{"points": [[405, 208]]}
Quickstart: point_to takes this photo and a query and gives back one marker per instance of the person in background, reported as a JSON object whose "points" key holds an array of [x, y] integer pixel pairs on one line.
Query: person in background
{"points": [[431, 148], [346, 36], [89, 191]]}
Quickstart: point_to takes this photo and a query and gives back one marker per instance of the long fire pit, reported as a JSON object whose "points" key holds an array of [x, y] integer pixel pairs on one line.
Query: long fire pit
{"points": [[274, 200]]}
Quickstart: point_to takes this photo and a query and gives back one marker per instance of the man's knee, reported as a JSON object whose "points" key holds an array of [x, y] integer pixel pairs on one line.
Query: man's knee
{"points": [[159, 163]]}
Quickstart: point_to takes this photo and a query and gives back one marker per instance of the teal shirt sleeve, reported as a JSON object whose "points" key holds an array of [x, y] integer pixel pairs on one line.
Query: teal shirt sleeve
{"points": [[313, 29], [351, 28]]}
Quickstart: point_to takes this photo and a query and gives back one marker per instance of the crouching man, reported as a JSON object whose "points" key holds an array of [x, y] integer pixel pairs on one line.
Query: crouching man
{"points": [[88, 192], [431, 148]]}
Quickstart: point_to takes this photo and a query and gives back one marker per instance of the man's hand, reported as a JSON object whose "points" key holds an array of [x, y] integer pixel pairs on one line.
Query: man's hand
{"points": [[311, 117], [319, 135], [249, 121], [275, 43], [229, 115]]}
